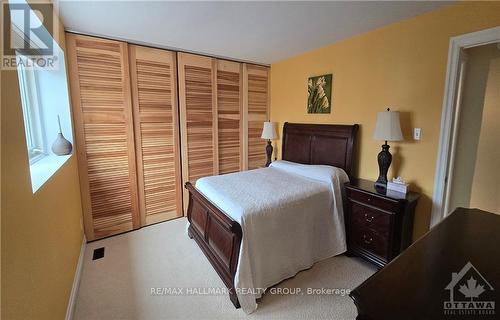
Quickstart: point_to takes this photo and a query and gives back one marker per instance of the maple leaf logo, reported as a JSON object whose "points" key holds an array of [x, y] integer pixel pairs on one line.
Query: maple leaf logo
{"points": [[472, 289]]}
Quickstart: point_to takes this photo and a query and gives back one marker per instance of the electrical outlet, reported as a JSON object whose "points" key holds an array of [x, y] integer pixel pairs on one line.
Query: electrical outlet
{"points": [[417, 132]]}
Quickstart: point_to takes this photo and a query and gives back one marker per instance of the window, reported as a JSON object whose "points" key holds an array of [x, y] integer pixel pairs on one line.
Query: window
{"points": [[33, 124], [43, 90]]}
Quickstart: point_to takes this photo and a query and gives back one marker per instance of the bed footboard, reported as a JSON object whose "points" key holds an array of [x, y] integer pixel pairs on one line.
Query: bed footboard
{"points": [[218, 236]]}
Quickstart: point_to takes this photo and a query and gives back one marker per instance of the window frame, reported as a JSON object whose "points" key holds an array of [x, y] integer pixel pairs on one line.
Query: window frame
{"points": [[32, 113]]}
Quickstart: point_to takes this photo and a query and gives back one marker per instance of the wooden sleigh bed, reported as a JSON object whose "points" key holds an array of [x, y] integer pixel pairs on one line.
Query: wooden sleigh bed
{"points": [[219, 236]]}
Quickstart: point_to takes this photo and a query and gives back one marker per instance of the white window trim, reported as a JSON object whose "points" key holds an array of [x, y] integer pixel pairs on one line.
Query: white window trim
{"points": [[33, 122], [42, 170]]}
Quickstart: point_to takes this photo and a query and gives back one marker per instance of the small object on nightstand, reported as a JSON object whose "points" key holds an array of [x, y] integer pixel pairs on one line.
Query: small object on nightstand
{"points": [[386, 129], [379, 225], [397, 185], [395, 194], [269, 133]]}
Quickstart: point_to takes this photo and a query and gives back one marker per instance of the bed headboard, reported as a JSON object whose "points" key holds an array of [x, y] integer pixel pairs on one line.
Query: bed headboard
{"points": [[329, 144]]}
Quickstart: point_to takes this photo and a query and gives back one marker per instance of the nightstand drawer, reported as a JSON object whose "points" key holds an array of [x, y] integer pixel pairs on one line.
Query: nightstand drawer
{"points": [[366, 217], [378, 226], [371, 241], [370, 199]]}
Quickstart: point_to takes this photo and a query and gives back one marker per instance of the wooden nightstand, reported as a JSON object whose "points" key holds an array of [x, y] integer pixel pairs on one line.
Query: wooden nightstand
{"points": [[378, 226]]}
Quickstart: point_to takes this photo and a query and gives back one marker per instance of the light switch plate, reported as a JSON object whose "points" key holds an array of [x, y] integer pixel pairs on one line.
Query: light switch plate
{"points": [[417, 133]]}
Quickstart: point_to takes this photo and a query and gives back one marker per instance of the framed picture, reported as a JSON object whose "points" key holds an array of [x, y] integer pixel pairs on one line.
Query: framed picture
{"points": [[319, 94]]}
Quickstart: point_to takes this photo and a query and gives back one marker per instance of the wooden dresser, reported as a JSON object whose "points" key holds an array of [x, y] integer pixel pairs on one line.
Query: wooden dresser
{"points": [[379, 226], [425, 281]]}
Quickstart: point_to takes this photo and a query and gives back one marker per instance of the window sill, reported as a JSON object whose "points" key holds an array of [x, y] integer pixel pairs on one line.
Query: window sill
{"points": [[43, 169]]}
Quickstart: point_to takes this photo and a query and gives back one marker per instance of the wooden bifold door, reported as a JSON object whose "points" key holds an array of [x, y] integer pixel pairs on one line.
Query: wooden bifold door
{"points": [[223, 105], [105, 147], [125, 112], [230, 116], [257, 107], [136, 146], [154, 92], [198, 116]]}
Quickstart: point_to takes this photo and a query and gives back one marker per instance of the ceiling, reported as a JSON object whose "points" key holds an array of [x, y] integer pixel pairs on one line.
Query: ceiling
{"points": [[262, 32]]}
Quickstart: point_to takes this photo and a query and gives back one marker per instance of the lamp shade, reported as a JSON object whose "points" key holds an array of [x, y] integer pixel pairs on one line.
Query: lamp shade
{"points": [[269, 131], [388, 127]]}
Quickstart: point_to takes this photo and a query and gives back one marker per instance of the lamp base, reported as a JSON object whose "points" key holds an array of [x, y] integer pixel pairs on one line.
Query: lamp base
{"points": [[380, 186], [269, 152], [384, 162]]}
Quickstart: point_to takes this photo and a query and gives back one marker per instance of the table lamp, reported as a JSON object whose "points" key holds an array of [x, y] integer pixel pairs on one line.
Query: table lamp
{"points": [[269, 133], [387, 128]]}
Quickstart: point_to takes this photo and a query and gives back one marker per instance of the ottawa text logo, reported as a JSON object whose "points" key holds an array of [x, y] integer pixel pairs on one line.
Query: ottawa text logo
{"points": [[470, 293]]}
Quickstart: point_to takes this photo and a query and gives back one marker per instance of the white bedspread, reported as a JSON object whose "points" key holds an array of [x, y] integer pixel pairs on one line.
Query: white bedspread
{"points": [[291, 216]]}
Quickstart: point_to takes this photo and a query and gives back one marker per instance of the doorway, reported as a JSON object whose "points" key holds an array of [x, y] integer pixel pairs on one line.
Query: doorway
{"points": [[474, 175], [467, 172]]}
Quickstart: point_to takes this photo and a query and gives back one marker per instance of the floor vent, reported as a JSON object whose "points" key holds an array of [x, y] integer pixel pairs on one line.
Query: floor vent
{"points": [[98, 253]]}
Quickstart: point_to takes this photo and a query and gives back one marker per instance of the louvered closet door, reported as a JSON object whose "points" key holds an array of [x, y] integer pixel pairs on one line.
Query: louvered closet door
{"points": [[257, 109], [198, 114], [229, 114], [154, 98], [100, 85]]}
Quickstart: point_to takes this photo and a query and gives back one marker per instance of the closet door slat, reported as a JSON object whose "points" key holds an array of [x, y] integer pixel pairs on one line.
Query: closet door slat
{"points": [[257, 111], [154, 91], [229, 115], [100, 84], [198, 115]]}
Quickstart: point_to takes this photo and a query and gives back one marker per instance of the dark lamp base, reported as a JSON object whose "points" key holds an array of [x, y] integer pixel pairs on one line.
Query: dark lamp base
{"points": [[384, 162], [269, 152]]}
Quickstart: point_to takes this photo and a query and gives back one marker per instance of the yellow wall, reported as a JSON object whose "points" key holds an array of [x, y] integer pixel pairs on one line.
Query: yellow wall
{"points": [[41, 232], [402, 66]]}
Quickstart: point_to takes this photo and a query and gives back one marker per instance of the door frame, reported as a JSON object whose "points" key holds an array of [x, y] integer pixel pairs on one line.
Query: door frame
{"points": [[457, 44]]}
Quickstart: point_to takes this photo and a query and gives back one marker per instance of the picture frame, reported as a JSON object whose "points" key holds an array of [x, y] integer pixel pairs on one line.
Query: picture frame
{"points": [[319, 94]]}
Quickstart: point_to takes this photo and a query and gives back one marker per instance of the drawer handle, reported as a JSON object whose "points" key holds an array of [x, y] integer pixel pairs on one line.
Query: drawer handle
{"points": [[370, 219], [367, 240], [368, 199]]}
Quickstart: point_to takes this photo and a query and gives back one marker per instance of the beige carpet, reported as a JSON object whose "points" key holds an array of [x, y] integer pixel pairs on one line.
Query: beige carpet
{"points": [[118, 286]]}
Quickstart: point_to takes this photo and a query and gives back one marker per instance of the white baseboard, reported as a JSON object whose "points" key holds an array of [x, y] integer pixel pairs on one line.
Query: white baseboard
{"points": [[76, 281]]}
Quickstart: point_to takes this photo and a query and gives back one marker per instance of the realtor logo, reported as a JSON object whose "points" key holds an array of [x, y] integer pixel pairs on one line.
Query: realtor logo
{"points": [[470, 293], [27, 34]]}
